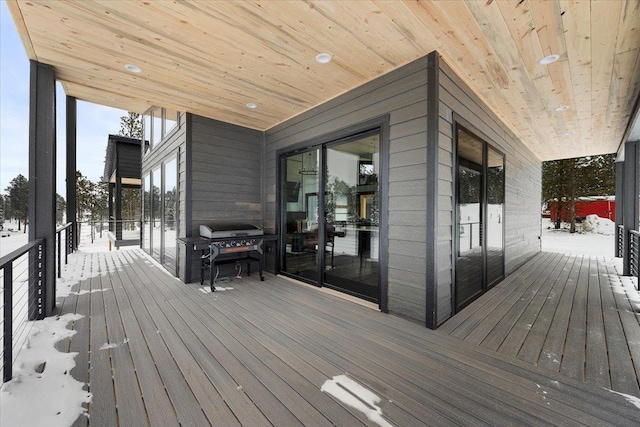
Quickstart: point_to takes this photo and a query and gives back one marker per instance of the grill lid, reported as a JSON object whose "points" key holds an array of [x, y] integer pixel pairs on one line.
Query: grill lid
{"points": [[221, 231]]}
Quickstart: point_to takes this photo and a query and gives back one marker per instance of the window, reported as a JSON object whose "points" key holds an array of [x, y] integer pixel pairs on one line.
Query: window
{"points": [[158, 123], [170, 204], [479, 217]]}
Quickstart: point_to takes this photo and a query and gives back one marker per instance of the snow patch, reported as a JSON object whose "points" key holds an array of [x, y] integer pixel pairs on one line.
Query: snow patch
{"points": [[107, 346], [58, 395], [631, 399], [594, 224], [353, 394]]}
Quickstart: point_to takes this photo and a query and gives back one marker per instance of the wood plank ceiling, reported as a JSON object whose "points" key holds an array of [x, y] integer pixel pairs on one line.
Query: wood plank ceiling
{"points": [[212, 58]]}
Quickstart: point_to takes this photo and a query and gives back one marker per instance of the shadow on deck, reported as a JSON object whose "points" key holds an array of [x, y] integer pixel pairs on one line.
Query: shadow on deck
{"points": [[155, 351], [570, 314]]}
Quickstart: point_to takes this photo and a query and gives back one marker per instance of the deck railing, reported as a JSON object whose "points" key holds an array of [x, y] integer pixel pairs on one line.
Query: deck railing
{"points": [[23, 280], [634, 252], [68, 245], [620, 237]]}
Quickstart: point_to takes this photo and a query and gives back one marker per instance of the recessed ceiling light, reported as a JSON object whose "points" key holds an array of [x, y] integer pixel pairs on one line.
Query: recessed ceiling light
{"points": [[252, 105], [323, 58], [133, 68], [562, 108], [549, 59]]}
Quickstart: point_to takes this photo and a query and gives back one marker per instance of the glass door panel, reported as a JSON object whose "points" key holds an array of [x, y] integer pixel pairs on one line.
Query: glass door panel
{"points": [[146, 214], [170, 212], [300, 216], [156, 219], [469, 265], [495, 214], [351, 216]]}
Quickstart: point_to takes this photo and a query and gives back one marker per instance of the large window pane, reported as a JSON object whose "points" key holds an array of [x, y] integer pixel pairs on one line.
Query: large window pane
{"points": [[156, 219], [469, 227], [156, 123], [495, 214], [300, 217], [352, 216], [146, 214], [170, 213]]}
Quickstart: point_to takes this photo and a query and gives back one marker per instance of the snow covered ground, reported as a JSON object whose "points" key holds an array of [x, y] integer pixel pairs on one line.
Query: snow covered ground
{"points": [[60, 397], [599, 240]]}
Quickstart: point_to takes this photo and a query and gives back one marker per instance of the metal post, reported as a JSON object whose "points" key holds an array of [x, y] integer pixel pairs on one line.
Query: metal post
{"points": [[42, 175], [59, 253], [71, 118], [619, 204], [630, 201]]}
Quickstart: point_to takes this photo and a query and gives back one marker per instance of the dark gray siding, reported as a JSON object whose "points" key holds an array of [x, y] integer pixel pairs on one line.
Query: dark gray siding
{"points": [[226, 170], [523, 183], [173, 144], [402, 96], [128, 160]]}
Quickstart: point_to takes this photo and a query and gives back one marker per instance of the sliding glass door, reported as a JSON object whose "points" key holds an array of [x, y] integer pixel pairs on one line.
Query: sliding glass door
{"points": [[351, 213], [479, 217], [300, 215], [330, 215]]}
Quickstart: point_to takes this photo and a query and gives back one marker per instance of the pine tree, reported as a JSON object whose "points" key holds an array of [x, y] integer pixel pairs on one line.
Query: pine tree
{"points": [[566, 180], [131, 125], [18, 192]]}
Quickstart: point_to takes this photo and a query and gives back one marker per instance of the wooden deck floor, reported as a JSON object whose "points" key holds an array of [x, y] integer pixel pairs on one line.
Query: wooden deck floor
{"points": [[155, 351], [568, 314]]}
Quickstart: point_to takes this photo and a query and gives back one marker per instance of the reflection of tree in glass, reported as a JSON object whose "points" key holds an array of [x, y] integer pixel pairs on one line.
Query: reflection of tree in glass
{"points": [[468, 186], [170, 198], [340, 190], [495, 185]]}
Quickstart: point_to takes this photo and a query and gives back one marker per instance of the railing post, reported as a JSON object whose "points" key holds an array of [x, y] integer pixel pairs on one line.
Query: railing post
{"points": [[36, 283], [7, 333], [59, 252]]}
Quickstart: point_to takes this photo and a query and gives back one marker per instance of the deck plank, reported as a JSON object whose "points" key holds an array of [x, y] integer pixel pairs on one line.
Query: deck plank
{"points": [[129, 403], [532, 347], [155, 398], [515, 292], [623, 340], [531, 310], [596, 359], [258, 354], [485, 389], [515, 312], [214, 393], [103, 410], [553, 347]]}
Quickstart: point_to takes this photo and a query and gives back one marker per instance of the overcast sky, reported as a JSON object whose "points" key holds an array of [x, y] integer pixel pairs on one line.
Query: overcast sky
{"points": [[95, 122]]}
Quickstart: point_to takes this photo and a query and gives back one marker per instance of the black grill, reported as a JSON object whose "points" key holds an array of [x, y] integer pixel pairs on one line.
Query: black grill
{"points": [[231, 243]]}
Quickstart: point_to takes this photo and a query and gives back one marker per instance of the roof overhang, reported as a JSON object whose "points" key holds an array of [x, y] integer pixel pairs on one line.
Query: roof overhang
{"points": [[213, 58]]}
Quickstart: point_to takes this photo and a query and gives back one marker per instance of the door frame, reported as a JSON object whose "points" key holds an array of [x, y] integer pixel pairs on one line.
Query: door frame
{"points": [[461, 123], [380, 123]]}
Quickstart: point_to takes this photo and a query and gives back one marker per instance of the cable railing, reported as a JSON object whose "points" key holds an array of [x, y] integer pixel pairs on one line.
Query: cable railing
{"points": [[68, 245], [23, 275], [620, 237], [634, 252]]}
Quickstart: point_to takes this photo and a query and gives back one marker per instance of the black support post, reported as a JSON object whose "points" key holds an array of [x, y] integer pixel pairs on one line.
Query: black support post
{"points": [[619, 204], [42, 181], [629, 201], [433, 99], [118, 207], [71, 171]]}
